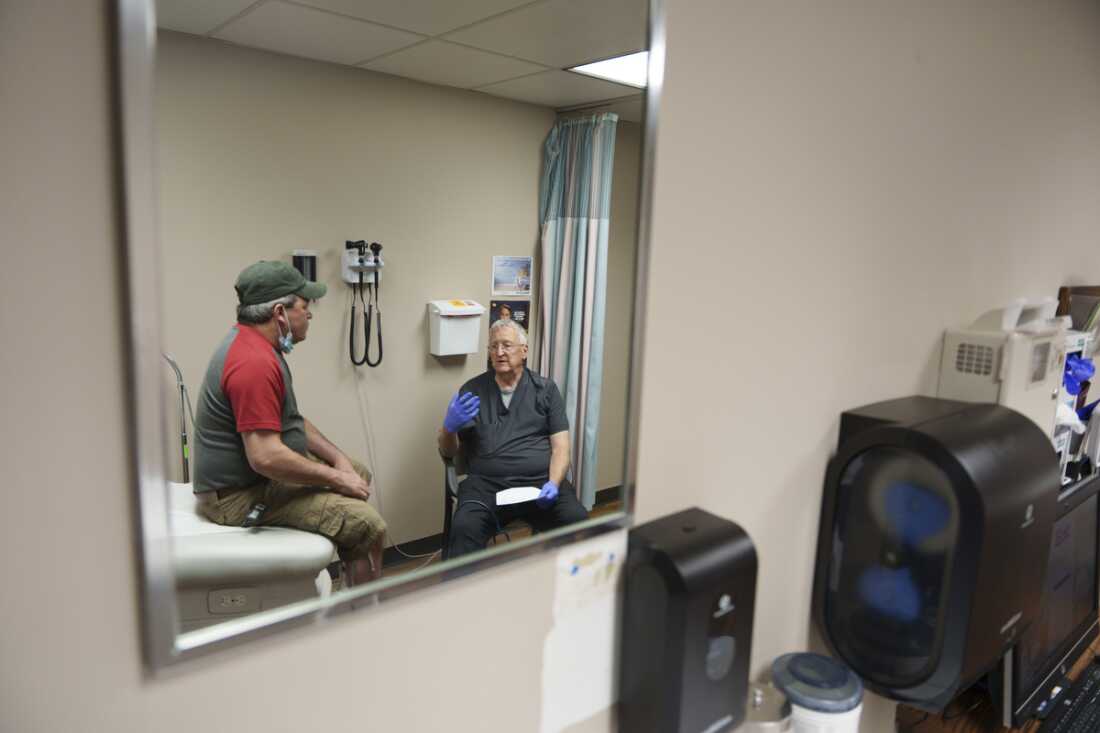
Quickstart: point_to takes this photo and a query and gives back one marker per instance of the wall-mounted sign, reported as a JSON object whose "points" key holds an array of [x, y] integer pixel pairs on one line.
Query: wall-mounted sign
{"points": [[512, 276], [510, 310]]}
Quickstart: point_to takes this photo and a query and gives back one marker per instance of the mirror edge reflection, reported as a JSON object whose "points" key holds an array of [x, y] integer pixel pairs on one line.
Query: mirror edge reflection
{"points": [[654, 87], [134, 132], [134, 38]]}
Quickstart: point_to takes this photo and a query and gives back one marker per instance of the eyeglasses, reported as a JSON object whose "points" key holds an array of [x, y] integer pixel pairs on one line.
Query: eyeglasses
{"points": [[506, 346]]}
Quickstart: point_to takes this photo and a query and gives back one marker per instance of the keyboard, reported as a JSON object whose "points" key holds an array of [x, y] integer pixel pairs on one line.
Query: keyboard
{"points": [[1079, 709]]}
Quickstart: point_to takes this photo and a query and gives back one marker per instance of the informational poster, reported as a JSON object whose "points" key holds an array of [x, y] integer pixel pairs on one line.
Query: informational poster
{"points": [[510, 310], [578, 687], [512, 276]]}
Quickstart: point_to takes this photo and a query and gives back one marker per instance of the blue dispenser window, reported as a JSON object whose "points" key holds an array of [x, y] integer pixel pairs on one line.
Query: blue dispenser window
{"points": [[897, 522]]}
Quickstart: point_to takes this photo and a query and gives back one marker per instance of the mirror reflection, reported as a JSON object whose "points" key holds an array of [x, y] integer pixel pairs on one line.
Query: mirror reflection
{"points": [[399, 247]]}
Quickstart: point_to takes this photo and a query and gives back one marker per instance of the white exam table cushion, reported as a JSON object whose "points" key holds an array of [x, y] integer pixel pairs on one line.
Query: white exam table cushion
{"points": [[205, 553]]}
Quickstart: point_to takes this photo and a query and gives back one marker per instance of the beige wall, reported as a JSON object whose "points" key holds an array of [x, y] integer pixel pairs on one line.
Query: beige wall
{"points": [[261, 154], [621, 251], [848, 179], [836, 184]]}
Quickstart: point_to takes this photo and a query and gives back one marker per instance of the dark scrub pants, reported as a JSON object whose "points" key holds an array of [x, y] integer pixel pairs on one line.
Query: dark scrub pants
{"points": [[474, 524], [507, 446]]}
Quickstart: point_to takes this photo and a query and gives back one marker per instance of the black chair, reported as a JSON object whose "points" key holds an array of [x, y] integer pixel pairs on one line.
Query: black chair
{"points": [[453, 468], [450, 496]]}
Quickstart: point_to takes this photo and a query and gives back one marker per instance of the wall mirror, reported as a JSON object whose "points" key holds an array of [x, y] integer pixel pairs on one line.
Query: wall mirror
{"points": [[508, 195]]}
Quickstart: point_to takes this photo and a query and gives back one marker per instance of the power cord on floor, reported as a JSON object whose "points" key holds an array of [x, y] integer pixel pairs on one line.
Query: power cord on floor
{"points": [[372, 458]]}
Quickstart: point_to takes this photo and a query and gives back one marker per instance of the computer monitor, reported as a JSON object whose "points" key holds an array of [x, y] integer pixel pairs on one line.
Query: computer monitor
{"points": [[1067, 622]]}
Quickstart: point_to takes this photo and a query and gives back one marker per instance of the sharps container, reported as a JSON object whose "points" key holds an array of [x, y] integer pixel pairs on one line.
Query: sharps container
{"points": [[825, 696], [766, 711]]}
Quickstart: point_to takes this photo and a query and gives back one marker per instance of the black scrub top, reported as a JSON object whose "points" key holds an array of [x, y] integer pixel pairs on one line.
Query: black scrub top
{"points": [[512, 444]]}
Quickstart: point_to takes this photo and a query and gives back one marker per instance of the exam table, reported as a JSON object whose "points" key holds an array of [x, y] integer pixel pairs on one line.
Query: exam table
{"points": [[226, 572]]}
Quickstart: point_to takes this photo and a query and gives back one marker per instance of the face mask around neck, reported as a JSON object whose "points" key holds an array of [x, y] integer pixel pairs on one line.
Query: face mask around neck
{"points": [[285, 343]]}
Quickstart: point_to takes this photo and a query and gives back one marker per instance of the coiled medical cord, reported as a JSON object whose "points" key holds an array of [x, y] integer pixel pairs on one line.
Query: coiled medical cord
{"points": [[370, 305], [358, 289], [374, 292]]}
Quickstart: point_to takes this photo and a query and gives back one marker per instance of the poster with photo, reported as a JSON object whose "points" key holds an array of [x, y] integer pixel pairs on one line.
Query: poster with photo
{"points": [[510, 310], [512, 276]]}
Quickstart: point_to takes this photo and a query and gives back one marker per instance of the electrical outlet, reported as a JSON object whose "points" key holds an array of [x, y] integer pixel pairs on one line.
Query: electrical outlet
{"points": [[232, 601]]}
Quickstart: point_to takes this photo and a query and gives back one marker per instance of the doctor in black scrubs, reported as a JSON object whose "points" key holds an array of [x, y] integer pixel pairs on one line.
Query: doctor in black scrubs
{"points": [[510, 425]]}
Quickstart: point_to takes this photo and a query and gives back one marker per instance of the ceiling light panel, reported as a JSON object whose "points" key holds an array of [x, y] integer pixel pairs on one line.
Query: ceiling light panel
{"points": [[631, 69]]}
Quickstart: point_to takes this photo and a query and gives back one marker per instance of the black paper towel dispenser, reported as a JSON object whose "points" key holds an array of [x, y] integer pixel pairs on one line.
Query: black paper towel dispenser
{"points": [[934, 529]]}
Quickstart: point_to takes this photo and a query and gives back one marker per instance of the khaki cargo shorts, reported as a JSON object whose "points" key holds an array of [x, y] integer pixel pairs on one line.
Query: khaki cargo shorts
{"points": [[353, 525]]}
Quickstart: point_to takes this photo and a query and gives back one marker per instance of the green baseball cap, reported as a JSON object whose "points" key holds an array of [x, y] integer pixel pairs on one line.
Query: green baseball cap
{"points": [[266, 281]]}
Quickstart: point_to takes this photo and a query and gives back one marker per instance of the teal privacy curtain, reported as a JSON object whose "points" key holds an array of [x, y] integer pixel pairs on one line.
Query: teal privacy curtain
{"points": [[574, 214]]}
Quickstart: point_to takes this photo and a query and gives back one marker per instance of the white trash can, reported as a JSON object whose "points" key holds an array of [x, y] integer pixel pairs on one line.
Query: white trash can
{"points": [[454, 326], [825, 696]]}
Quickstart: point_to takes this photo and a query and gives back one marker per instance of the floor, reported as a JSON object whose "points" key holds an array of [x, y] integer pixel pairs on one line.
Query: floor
{"points": [[975, 713]]}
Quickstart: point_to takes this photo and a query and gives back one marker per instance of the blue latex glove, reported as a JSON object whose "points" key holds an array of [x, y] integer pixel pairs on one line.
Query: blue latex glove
{"points": [[891, 592], [462, 410], [1078, 370], [548, 495], [915, 513]]}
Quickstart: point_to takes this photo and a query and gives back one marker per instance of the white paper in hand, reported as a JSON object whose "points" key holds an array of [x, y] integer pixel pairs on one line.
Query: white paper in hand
{"points": [[517, 495]]}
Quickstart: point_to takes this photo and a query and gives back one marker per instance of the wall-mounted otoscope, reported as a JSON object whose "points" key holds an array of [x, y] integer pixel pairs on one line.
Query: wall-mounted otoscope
{"points": [[362, 270]]}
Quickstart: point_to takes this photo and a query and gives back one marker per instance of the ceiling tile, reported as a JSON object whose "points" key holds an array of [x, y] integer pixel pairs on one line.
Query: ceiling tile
{"points": [[422, 16], [563, 33], [558, 89], [438, 62], [197, 16], [315, 34]]}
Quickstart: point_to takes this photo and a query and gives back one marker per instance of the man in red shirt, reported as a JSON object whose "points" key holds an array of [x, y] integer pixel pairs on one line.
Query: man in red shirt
{"points": [[256, 455]]}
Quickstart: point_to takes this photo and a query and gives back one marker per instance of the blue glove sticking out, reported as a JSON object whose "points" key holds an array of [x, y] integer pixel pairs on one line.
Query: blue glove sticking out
{"points": [[915, 513], [462, 410], [1077, 370], [548, 495], [891, 592]]}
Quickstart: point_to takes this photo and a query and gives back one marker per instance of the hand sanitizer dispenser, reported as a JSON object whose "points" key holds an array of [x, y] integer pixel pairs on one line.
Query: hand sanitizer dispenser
{"points": [[688, 597], [454, 326]]}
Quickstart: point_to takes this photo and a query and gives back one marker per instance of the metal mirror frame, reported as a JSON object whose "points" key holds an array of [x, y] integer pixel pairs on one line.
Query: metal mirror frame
{"points": [[134, 139]]}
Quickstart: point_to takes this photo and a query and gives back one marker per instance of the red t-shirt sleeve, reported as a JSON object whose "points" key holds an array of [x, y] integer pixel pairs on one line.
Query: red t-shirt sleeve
{"points": [[254, 387]]}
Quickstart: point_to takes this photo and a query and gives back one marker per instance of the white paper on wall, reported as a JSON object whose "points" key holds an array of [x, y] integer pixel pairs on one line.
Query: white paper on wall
{"points": [[578, 668]]}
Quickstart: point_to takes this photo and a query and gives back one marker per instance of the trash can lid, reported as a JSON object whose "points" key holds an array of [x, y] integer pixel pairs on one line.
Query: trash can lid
{"points": [[456, 307], [817, 682]]}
